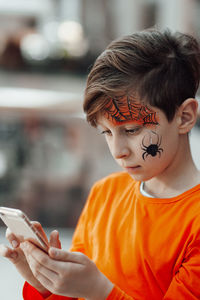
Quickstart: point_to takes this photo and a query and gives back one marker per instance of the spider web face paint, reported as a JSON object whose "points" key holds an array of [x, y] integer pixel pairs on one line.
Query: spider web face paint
{"points": [[153, 148], [126, 109]]}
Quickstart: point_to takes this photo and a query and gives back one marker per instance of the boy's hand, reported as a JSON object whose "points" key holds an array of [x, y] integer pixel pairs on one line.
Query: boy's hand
{"points": [[17, 257], [65, 273]]}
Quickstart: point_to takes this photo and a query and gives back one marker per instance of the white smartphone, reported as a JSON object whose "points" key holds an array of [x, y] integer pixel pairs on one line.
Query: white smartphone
{"points": [[21, 227]]}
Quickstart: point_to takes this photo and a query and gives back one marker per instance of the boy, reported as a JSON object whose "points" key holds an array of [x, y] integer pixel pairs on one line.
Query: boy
{"points": [[138, 236]]}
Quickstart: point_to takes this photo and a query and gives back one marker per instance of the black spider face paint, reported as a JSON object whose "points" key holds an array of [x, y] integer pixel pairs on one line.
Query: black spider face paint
{"points": [[127, 109], [153, 148]]}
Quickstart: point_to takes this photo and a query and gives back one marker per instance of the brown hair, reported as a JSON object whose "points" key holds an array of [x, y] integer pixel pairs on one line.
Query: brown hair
{"points": [[159, 68]]}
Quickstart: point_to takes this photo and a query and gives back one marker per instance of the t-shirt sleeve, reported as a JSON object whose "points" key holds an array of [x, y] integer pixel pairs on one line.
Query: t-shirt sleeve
{"points": [[186, 282], [30, 293]]}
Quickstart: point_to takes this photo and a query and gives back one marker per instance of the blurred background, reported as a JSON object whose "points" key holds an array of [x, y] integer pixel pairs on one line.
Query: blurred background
{"points": [[49, 156]]}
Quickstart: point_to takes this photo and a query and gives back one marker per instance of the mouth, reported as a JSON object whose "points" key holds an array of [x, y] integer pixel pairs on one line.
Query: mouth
{"points": [[132, 168]]}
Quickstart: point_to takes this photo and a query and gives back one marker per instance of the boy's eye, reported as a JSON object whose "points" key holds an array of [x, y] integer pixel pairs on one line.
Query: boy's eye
{"points": [[106, 132], [132, 130]]}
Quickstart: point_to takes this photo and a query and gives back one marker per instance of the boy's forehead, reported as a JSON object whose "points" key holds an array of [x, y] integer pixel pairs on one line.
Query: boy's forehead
{"points": [[126, 109]]}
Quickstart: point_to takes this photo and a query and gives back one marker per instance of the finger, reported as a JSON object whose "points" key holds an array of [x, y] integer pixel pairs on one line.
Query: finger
{"points": [[59, 254], [41, 269], [45, 282], [9, 253], [39, 228], [39, 262], [54, 239], [12, 238], [37, 270], [33, 252]]}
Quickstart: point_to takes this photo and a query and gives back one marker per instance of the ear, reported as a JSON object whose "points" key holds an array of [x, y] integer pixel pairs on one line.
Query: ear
{"points": [[187, 115]]}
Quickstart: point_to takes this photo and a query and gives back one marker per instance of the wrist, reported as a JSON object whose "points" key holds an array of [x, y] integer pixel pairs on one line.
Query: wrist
{"points": [[45, 293], [103, 287]]}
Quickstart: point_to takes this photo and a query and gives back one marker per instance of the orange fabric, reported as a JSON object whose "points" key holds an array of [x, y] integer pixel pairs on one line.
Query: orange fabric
{"points": [[118, 294], [30, 293], [148, 247]]}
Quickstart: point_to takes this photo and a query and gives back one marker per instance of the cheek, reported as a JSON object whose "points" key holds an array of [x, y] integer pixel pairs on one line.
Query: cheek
{"points": [[109, 144], [151, 145], [158, 150]]}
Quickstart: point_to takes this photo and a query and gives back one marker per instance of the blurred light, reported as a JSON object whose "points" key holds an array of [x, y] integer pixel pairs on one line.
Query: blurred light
{"points": [[70, 32], [50, 30], [71, 35], [34, 47], [56, 41], [32, 98]]}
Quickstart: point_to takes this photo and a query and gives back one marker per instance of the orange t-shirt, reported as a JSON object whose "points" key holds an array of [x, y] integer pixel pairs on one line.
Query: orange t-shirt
{"points": [[148, 247]]}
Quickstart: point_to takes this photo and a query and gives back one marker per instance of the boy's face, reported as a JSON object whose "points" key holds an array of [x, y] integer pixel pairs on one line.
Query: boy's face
{"points": [[145, 150]]}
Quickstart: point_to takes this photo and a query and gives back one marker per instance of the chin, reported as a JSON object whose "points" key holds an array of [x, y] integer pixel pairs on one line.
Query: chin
{"points": [[141, 177]]}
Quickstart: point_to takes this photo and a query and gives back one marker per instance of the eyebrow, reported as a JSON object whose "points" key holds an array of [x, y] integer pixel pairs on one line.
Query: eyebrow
{"points": [[121, 125]]}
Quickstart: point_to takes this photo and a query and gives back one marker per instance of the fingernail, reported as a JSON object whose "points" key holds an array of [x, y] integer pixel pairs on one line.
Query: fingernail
{"points": [[15, 244], [56, 232]]}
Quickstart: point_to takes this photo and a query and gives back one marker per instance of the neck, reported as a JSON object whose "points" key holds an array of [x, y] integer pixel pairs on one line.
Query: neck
{"points": [[179, 177]]}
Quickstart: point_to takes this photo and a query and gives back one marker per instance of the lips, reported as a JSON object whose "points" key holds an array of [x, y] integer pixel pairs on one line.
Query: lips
{"points": [[129, 168]]}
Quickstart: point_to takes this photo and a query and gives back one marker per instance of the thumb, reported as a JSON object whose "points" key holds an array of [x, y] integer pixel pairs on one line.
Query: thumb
{"points": [[75, 257]]}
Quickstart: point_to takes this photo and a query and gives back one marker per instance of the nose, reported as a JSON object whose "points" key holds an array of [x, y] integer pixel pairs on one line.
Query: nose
{"points": [[120, 148]]}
